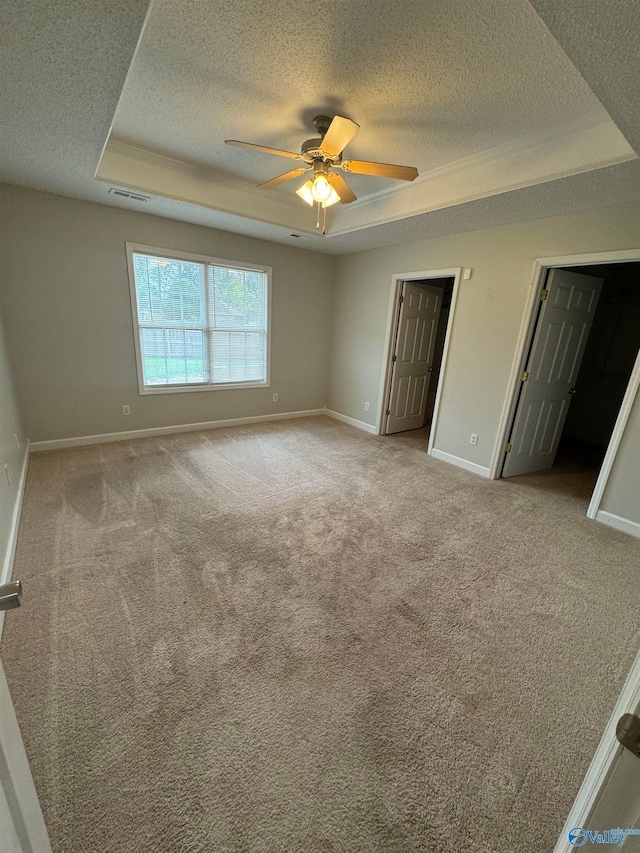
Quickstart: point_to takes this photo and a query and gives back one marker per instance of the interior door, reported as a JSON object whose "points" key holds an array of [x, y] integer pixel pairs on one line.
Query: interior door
{"points": [[564, 322], [22, 827], [413, 356], [609, 798], [618, 802]]}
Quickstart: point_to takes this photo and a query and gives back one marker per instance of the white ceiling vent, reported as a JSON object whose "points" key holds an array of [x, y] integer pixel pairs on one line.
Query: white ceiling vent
{"points": [[128, 194]]}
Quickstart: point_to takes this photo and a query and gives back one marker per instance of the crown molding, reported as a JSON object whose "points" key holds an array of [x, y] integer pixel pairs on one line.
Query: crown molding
{"points": [[134, 167], [514, 148], [582, 145], [571, 149]]}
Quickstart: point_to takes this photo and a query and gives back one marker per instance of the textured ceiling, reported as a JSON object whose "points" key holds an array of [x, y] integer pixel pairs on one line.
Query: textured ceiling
{"points": [[429, 82], [601, 39], [599, 188], [63, 66]]}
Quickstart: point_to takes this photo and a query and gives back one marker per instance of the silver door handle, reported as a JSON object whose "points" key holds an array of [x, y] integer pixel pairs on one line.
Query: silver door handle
{"points": [[572, 390], [429, 369], [10, 595]]}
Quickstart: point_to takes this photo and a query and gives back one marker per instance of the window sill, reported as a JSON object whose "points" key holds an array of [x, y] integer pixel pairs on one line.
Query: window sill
{"points": [[148, 390]]}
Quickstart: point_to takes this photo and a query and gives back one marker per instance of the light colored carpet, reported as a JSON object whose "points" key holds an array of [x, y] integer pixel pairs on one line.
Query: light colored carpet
{"points": [[416, 438], [299, 637]]}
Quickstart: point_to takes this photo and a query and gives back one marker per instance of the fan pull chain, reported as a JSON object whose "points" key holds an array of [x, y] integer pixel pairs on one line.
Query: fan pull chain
{"points": [[324, 221], [318, 219]]}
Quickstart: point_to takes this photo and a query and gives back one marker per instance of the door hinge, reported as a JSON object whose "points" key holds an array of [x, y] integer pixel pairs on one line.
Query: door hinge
{"points": [[525, 376], [401, 300], [628, 733], [388, 412], [544, 295], [508, 448]]}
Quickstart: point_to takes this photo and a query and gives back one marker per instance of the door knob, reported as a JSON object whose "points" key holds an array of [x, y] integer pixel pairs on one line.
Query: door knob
{"points": [[429, 369], [628, 732], [572, 390], [10, 595]]}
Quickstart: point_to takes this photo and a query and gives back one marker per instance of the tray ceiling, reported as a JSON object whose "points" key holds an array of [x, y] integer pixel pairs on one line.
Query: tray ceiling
{"points": [[478, 95], [442, 86]]}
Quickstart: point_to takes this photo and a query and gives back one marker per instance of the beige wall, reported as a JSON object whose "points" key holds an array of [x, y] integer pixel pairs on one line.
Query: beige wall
{"points": [[67, 317], [11, 453], [69, 327], [486, 323]]}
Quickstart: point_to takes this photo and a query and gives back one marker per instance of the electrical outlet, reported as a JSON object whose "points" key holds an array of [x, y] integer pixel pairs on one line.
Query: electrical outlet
{"points": [[366, 407], [6, 473], [473, 439], [126, 410], [275, 398]]}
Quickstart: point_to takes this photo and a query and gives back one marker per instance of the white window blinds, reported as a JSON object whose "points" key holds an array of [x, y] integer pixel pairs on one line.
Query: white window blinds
{"points": [[199, 323]]}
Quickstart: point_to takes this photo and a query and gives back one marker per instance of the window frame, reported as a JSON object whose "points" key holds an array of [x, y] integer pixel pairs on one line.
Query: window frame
{"points": [[172, 254]]}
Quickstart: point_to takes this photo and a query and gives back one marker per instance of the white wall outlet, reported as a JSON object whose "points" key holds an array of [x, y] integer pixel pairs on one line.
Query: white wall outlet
{"points": [[275, 398], [6, 473], [466, 275], [473, 439], [366, 407], [126, 410]]}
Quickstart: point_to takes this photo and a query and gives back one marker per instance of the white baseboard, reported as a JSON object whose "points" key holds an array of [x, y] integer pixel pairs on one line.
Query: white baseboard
{"points": [[618, 522], [351, 421], [7, 564], [84, 440], [461, 463]]}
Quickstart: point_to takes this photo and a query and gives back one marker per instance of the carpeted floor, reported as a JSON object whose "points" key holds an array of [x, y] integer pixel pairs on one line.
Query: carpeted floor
{"points": [[300, 637], [416, 438]]}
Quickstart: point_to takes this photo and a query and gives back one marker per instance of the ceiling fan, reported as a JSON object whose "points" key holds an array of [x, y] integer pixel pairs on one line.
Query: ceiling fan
{"points": [[323, 157]]}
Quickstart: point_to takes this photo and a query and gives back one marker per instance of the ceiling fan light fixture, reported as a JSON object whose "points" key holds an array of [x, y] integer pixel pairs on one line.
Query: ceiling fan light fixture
{"points": [[333, 198], [322, 156], [305, 192], [321, 188]]}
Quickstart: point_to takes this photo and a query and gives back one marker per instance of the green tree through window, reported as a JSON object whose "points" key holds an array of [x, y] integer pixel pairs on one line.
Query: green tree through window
{"points": [[200, 323]]}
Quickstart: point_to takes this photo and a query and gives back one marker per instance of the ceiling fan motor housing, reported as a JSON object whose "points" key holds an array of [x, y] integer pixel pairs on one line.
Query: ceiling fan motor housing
{"points": [[322, 124], [312, 147]]}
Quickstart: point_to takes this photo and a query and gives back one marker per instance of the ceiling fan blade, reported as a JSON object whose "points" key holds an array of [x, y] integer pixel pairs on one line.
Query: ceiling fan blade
{"points": [[266, 150], [294, 173], [341, 187], [380, 170], [341, 132]]}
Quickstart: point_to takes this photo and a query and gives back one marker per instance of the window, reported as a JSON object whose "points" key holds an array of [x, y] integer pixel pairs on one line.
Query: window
{"points": [[199, 322]]}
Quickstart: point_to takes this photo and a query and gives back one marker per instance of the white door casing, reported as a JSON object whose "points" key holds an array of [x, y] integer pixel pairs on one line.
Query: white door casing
{"points": [[22, 827], [413, 356], [563, 327], [21, 821], [609, 797]]}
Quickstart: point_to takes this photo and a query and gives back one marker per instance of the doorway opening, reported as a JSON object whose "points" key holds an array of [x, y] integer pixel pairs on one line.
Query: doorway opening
{"points": [[582, 353], [419, 335]]}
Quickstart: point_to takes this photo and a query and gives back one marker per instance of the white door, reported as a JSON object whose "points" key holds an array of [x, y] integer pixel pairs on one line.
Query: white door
{"points": [[609, 798], [413, 356], [22, 827], [564, 323]]}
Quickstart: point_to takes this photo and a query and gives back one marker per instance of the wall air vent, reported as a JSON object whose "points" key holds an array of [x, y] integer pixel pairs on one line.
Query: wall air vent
{"points": [[128, 194]]}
